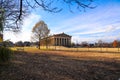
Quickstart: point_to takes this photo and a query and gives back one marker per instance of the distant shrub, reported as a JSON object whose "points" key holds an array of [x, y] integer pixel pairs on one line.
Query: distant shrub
{"points": [[5, 54]]}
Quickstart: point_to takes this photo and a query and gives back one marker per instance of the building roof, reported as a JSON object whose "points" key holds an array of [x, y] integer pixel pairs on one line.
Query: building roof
{"points": [[62, 35], [58, 35]]}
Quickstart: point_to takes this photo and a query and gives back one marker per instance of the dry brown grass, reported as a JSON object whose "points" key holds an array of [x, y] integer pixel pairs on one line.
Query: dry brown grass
{"points": [[34, 64], [85, 55], [117, 50]]}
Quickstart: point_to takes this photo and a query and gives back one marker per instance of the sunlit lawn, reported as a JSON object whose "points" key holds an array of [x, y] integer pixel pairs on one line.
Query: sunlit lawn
{"points": [[73, 49], [74, 53]]}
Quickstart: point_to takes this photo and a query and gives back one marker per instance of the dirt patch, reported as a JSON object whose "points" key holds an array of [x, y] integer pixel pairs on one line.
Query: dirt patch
{"points": [[60, 65]]}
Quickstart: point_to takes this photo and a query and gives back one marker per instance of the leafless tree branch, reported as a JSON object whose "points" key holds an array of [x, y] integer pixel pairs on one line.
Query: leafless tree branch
{"points": [[14, 10]]}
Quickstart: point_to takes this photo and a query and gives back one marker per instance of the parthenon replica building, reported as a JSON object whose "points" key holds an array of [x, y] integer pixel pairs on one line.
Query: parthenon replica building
{"points": [[61, 39]]}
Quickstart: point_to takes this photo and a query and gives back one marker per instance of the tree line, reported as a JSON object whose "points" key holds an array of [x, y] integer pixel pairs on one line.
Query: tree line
{"points": [[100, 43], [114, 44]]}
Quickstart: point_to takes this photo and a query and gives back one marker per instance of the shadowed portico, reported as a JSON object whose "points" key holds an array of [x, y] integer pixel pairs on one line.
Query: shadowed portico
{"points": [[61, 39]]}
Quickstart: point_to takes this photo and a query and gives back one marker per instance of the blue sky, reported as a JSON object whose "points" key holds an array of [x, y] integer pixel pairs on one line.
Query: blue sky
{"points": [[101, 23]]}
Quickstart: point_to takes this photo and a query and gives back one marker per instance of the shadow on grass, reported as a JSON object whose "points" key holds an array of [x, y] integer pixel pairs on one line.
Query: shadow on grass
{"points": [[43, 66]]}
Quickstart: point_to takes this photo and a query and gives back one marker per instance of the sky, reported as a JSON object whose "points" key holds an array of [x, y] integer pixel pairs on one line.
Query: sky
{"points": [[91, 25]]}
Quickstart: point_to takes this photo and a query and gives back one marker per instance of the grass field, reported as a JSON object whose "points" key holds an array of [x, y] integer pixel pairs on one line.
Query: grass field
{"points": [[75, 49], [34, 64]]}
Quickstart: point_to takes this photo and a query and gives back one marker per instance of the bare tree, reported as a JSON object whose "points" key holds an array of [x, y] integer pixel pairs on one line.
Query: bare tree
{"points": [[40, 31], [51, 5], [84, 44], [115, 43], [100, 44], [11, 14]]}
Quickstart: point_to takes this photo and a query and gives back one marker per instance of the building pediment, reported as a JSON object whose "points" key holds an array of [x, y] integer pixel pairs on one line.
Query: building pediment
{"points": [[62, 35]]}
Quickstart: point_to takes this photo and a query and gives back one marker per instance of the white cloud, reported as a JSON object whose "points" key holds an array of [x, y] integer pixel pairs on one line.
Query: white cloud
{"points": [[25, 33], [112, 27], [106, 33], [91, 22], [30, 21], [98, 30]]}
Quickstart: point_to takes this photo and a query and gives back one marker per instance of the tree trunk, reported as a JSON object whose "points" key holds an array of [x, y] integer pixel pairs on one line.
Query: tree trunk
{"points": [[46, 43], [39, 44]]}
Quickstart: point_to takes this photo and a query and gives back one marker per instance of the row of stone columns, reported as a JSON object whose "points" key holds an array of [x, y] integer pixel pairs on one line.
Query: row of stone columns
{"points": [[62, 41]]}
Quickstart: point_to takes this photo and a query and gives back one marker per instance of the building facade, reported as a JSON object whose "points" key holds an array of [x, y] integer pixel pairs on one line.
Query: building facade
{"points": [[61, 39]]}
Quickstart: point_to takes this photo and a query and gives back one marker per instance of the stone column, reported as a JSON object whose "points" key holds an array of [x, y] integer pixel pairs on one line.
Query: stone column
{"points": [[54, 41], [62, 42], [69, 41], [65, 41], [59, 41]]}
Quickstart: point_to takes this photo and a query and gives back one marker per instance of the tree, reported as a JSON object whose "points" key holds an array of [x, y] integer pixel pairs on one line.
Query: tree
{"points": [[40, 31], [118, 43], [11, 14], [115, 43], [84, 44], [13, 11], [100, 44], [51, 5], [19, 43], [27, 43], [8, 43]]}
